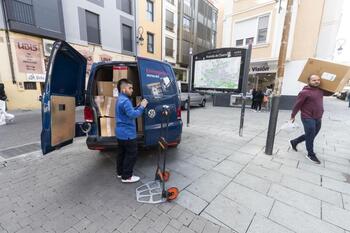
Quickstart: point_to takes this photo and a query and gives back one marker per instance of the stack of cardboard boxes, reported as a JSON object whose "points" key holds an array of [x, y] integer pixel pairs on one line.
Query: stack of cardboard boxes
{"points": [[107, 97], [105, 102]]}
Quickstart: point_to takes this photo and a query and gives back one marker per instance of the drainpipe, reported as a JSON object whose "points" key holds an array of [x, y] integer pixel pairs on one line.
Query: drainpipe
{"points": [[8, 43]]}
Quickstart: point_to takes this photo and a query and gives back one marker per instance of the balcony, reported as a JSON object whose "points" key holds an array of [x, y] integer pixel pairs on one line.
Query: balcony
{"points": [[169, 26]]}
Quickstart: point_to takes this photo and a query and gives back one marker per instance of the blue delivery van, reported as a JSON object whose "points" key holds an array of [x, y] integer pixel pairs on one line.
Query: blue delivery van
{"points": [[67, 89]]}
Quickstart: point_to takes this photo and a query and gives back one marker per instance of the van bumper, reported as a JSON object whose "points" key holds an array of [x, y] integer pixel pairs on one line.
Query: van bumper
{"points": [[106, 143]]}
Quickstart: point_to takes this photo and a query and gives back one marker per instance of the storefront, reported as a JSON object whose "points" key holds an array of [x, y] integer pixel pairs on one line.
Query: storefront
{"points": [[262, 75], [30, 59]]}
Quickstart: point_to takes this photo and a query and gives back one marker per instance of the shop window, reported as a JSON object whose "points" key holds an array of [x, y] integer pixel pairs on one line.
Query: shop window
{"points": [[29, 85]]}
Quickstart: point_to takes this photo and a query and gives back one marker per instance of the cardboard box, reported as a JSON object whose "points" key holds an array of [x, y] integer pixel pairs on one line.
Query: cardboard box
{"points": [[109, 106], [120, 72], [107, 126], [105, 88], [139, 120], [333, 76], [106, 105], [100, 100]]}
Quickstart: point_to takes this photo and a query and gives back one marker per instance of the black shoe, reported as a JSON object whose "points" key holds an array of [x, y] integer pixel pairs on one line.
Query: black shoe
{"points": [[313, 159], [294, 145]]}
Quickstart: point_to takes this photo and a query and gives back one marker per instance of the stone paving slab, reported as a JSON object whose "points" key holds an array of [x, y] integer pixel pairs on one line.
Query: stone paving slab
{"points": [[227, 183]]}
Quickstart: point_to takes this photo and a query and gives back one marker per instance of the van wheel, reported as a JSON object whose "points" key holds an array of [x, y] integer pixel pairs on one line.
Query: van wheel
{"points": [[203, 103]]}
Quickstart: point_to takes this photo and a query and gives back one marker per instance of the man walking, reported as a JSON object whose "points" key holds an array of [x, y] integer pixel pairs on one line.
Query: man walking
{"points": [[310, 103], [126, 131]]}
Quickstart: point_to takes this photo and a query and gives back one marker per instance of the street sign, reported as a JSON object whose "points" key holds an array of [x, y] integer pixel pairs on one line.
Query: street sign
{"points": [[219, 69]]}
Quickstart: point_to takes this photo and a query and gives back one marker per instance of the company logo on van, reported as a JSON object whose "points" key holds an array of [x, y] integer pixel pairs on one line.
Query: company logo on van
{"points": [[155, 73]]}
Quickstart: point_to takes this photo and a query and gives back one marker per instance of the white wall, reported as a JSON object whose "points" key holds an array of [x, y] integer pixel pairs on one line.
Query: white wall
{"points": [[109, 16], [227, 25], [331, 19], [291, 85]]}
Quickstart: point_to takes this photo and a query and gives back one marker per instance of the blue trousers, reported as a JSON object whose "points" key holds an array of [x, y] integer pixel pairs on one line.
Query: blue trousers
{"points": [[311, 129]]}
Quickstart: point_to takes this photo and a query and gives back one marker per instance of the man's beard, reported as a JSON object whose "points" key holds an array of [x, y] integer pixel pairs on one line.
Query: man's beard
{"points": [[314, 85]]}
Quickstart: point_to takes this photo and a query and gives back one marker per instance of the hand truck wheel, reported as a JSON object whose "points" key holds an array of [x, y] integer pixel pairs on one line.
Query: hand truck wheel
{"points": [[172, 193]]}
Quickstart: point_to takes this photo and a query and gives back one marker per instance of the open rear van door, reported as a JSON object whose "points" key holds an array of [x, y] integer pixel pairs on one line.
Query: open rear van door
{"points": [[64, 91]]}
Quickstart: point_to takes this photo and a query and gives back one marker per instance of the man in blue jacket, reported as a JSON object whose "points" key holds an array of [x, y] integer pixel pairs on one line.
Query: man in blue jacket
{"points": [[126, 131]]}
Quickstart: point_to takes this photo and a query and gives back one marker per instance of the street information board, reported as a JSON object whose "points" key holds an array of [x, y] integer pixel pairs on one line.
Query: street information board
{"points": [[219, 69], [221, 73]]}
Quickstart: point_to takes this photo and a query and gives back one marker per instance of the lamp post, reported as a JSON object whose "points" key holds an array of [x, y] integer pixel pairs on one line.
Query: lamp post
{"points": [[139, 39]]}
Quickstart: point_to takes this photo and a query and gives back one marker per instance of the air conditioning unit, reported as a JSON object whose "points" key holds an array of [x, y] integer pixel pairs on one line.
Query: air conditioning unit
{"points": [[47, 46]]}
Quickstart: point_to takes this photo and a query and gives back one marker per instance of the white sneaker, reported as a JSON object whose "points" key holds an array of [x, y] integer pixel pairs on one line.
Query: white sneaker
{"points": [[132, 179]]}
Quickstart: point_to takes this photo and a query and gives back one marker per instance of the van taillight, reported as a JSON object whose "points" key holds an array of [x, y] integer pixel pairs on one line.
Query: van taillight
{"points": [[178, 113], [88, 114]]}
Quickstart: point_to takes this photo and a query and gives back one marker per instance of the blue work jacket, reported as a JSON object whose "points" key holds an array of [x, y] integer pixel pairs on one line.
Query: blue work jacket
{"points": [[125, 118]]}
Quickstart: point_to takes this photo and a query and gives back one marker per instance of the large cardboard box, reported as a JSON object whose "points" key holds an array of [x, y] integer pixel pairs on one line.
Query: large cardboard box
{"points": [[120, 72], [139, 120], [107, 126], [109, 106], [105, 88], [106, 105], [333, 76], [99, 101]]}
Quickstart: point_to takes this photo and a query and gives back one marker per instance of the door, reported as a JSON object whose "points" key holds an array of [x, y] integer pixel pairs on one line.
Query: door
{"points": [[64, 91], [159, 88]]}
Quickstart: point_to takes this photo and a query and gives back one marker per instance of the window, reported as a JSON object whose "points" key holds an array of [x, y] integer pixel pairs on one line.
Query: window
{"points": [[150, 42], [254, 28], [92, 27], [126, 6], [239, 42], [249, 39], [263, 23], [187, 3], [30, 85], [186, 24], [127, 37], [150, 10], [169, 25], [169, 51]]}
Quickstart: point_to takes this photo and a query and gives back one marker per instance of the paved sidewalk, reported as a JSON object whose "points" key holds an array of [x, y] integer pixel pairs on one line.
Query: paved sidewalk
{"points": [[227, 183]]}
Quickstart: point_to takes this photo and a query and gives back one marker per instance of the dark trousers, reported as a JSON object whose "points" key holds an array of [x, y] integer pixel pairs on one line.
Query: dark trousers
{"points": [[126, 158], [258, 105], [311, 128]]}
